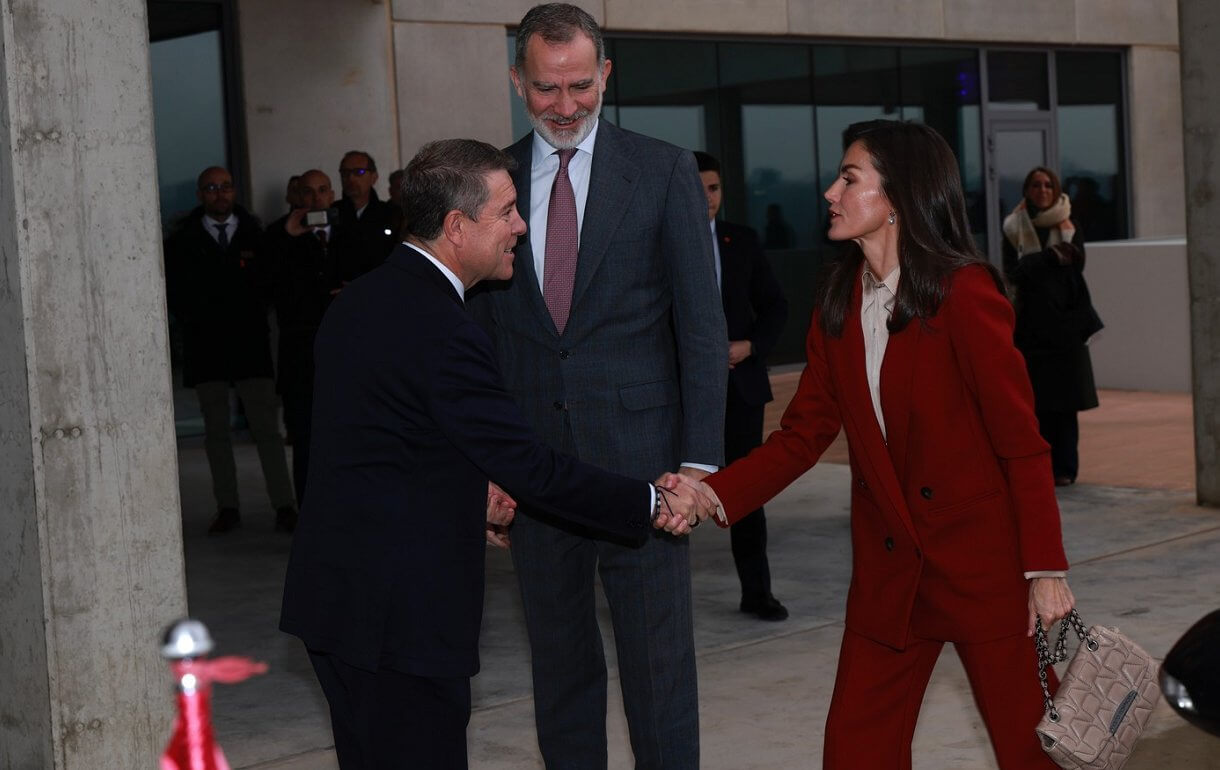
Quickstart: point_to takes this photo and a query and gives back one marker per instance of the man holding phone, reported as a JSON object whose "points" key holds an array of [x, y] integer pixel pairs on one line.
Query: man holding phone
{"points": [[309, 261]]}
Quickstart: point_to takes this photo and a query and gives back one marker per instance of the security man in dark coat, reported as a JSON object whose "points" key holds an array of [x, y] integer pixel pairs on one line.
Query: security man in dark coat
{"points": [[214, 296], [308, 260], [755, 311]]}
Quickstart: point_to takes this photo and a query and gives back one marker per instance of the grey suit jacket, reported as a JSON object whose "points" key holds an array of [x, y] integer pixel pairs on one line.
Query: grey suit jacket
{"points": [[636, 383]]}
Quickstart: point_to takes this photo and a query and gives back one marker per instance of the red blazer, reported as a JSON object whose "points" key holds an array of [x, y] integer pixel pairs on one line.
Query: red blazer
{"points": [[948, 515]]}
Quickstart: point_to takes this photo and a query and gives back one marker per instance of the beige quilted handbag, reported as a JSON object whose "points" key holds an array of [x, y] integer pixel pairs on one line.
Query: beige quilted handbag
{"points": [[1103, 701]]}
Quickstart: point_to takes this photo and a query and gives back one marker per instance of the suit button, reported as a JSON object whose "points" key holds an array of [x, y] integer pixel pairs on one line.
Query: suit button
{"points": [[863, 484], [558, 406], [889, 544], [926, 493], [563, 355]]}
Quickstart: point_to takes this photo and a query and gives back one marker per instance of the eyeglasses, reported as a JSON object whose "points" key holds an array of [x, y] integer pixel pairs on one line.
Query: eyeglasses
{"points": [[212, 188], [353, 171]]}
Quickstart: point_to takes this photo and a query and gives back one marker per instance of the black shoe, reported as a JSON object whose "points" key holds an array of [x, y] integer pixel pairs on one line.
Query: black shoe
{"points": [[1064, 481], [285, 519], [767, 608], [226, 519]]}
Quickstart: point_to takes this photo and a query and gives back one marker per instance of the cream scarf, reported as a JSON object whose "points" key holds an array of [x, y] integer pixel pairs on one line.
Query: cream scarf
{"points": [[1019, 228]]}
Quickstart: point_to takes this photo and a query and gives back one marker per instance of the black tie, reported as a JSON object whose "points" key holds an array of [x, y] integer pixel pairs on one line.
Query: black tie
{"points": [[222, 235]]}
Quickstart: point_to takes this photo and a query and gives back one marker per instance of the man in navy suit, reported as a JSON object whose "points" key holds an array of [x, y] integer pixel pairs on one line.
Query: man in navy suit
{"points": [[755, 310], [385, 580], [611, 337]]}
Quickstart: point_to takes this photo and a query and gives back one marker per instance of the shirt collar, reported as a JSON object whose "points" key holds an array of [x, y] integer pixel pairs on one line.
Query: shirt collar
{"points": [[543, 148], [453, 279], [211, 223], [871, 283]]}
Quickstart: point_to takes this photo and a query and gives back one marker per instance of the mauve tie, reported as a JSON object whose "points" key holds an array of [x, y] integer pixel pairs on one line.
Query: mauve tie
{"points": [[562, 244]]}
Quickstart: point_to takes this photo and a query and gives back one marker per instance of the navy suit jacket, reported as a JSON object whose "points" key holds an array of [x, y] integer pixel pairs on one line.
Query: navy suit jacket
{"points": [[410, 420], [755, 308]]}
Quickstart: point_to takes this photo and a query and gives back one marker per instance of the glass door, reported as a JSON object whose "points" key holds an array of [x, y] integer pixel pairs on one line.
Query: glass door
{"points": [[1014, 146]]}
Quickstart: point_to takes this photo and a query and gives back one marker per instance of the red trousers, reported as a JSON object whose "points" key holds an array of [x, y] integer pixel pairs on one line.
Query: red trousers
{"points": [[878, 693]]}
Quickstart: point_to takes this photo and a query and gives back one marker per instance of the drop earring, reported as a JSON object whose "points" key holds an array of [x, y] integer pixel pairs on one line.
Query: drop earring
{"points": [[893, 217]]}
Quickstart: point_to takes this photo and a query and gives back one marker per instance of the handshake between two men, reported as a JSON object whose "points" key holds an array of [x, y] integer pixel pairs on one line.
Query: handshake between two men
{"points": [[682, 502]]}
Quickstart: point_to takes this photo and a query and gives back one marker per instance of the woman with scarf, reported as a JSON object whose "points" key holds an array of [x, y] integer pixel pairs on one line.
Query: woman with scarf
{"points": [[1044, 262]]}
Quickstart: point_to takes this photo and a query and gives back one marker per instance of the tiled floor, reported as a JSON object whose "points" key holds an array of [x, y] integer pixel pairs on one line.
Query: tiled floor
{"points": [[1144, 558], [1134, 439]]}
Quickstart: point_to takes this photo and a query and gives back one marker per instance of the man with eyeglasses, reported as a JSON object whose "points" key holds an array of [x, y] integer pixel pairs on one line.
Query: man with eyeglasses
{"points": [[214, 295], [374, 220]]}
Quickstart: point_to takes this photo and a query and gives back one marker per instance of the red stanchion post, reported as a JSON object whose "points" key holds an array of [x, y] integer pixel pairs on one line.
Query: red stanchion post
{"points": [[193, 745]]}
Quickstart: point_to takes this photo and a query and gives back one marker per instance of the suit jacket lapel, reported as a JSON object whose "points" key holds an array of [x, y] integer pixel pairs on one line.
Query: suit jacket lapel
{"points": [[725, 247], [523, 264], [897, 381], [858, 409], [612, 182]]}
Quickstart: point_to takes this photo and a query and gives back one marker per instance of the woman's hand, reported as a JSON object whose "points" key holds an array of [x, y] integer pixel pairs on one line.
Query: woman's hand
{"points": [[1051, 599]]}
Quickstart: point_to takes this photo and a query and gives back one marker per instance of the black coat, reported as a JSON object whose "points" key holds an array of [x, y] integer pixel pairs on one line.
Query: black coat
{"points": [[755, 308], [377, 229], [304, 276], [410, 421], [216, 297], [1055, 317]]}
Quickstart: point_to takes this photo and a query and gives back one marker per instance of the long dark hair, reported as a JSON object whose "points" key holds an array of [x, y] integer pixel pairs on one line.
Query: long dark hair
{"points": [[919, 176]]}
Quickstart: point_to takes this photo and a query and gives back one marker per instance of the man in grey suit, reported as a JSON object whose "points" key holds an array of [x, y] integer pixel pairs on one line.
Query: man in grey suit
{"points": [[612, 338]]}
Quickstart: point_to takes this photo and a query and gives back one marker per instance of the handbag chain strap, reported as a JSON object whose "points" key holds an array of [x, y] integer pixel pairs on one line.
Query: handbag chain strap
{"points": [[1047, 659]]}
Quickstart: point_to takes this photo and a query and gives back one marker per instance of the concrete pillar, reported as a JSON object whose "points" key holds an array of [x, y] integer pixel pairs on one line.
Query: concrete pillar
{"points": [[90, 533], [1200, 25], [1155, 111]]}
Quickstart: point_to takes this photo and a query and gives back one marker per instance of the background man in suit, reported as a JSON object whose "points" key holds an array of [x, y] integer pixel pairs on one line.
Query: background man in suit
{"points": [[307, 266], [754, 311], [213, 294], [385, 579], [376, 221], [611, 338]]}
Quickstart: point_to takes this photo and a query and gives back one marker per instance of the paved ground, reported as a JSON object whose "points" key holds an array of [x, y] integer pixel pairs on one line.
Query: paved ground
{"points": [[1144, 558]]}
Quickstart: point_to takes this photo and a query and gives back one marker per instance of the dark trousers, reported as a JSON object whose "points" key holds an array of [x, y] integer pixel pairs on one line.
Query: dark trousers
{"points": [[878, 693], [1062, 431], [743, 426], [648, 590], [298, 416], [386, 719]]}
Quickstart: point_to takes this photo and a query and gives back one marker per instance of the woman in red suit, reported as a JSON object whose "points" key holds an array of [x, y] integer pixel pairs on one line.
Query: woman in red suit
{"points": [[955, 528]]}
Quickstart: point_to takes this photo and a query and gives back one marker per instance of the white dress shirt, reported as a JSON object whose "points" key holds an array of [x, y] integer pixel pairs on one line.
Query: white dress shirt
{"points": [[543, 167], [716, 253], [876, 307]]}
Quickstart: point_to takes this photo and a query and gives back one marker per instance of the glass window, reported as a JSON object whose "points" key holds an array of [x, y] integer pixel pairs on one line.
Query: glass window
{"points": [[767, 125], [666, 89], [940, 87], [1017, 80], [1089, 121], [188, 116]]}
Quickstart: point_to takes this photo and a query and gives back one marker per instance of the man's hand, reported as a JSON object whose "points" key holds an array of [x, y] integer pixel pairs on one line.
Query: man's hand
{"points": [[684, 503], [1051, 599], [739, 350], [501, 508], [294, 225]]}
